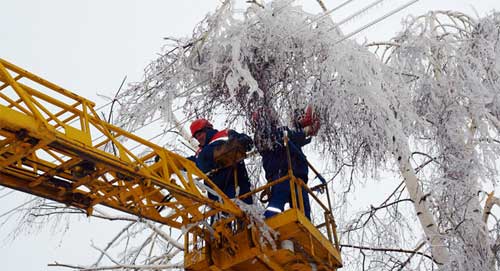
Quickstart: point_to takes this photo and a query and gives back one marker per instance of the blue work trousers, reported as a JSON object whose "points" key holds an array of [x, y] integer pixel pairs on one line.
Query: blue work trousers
{"points": [[281, 194]]}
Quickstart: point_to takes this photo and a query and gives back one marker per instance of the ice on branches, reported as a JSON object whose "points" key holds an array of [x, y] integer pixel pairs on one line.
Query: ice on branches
{"points": [[275, 56], [451, 65], [430, 105]]}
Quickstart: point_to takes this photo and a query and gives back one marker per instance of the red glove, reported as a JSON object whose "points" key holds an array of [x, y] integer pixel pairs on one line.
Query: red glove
{"points": [[312, 129], [309, 121]]}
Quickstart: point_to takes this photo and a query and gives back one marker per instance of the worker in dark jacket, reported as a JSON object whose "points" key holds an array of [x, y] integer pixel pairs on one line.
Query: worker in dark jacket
{"points": [[220, 155], [269, 140]]}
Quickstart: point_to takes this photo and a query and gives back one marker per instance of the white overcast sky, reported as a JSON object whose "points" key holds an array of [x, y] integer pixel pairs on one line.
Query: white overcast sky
{"points": [[88, 46]]}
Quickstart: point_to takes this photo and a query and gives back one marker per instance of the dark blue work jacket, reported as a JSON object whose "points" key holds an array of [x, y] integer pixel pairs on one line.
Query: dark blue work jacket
{"points": [[223, 177], [274, 155]]}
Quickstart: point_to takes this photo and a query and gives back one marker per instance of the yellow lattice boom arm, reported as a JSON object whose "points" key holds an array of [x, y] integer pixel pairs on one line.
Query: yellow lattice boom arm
{"points": [[53, 144]]}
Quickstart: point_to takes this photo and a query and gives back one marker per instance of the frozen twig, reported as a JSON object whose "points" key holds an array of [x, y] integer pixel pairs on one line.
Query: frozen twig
{"points": [[165, 236]]}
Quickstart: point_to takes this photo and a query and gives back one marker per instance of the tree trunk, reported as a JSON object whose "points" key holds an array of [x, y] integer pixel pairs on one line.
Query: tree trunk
{"points": [[434, 238]]}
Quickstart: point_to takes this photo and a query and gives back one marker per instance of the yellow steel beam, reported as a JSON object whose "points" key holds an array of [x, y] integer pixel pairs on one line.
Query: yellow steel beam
{"points": [[270, 263], [22, 94], [44, 159]]}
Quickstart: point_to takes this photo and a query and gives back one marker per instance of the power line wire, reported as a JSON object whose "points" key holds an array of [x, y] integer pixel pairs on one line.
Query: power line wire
{"points": [[373, 4], [387, 15], [327, 13]]}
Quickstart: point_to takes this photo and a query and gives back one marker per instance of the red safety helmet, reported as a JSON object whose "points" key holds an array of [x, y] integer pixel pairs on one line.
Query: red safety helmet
{"points": [[199, 125]]}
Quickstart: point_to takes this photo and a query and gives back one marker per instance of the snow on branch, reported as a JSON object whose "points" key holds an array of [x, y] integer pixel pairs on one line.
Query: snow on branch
{"points": [[433, 91], [273, 56]]}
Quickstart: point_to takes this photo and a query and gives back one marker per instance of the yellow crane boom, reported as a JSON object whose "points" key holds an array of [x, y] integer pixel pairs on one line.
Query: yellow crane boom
{"points": [[53, 144]]}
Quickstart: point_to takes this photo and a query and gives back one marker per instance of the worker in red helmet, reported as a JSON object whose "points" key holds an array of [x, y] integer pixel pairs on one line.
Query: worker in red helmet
{"points": [[220, 164], [269, 141]]}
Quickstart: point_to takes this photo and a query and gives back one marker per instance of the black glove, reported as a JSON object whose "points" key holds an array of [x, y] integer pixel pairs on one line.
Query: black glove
{"points": [[246, 141]]}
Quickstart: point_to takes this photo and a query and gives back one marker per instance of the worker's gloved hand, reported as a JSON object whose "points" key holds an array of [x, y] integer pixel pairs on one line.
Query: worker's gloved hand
{"points": [[232, 151], [246, 141], [309, 121], [312, 129]]}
